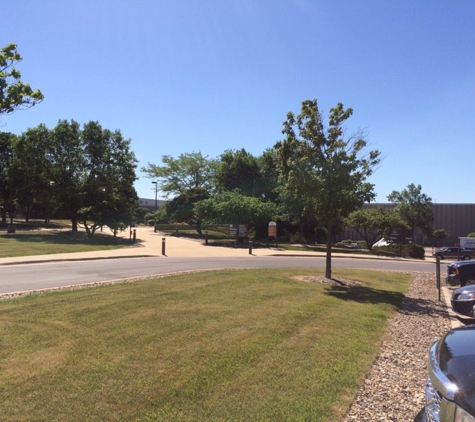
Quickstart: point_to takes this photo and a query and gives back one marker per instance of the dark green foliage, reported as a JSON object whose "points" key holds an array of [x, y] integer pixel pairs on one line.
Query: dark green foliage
{"points": [[6, 188], [181, 208], [233, 207], [373, 224], [238, 170], [14, 94], [86, 175], [177, 176], [416, 251], [406, 251], [438, 234], [414, 207]]}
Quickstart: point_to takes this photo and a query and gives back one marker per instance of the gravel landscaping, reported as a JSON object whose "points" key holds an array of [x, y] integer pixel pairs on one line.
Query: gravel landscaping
{"points": [[394, 390]]}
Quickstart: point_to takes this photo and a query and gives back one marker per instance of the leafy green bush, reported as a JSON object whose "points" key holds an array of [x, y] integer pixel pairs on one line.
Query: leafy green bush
{"points": [[405, 251], [416, 251]]}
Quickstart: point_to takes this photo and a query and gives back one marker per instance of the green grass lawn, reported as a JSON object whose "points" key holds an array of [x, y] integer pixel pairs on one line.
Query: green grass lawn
{"points": [[27, 243], [237, 345]]}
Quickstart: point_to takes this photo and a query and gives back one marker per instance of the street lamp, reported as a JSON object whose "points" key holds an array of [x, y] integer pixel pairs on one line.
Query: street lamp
{"points": [[156, 189]]}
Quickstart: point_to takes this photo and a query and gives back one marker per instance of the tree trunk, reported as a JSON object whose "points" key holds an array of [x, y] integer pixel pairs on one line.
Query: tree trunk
{"points": [[74, 224], [328, 265]]}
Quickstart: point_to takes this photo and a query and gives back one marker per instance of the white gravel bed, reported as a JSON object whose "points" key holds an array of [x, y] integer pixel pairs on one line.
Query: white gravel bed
{"points": [[394, 390]]}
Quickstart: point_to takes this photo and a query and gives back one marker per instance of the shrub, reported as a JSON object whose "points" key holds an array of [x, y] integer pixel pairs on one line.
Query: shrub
{"points": [[416, 251], [406, 251]]}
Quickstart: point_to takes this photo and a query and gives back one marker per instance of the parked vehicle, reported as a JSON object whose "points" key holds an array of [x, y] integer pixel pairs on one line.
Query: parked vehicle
{"points": [[453, 252], [463, 301], [450, 394], [461, 273]]}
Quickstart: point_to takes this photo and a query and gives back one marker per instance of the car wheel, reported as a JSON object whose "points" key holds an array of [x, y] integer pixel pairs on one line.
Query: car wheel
{"points": [[466, 257], [441, 257]]}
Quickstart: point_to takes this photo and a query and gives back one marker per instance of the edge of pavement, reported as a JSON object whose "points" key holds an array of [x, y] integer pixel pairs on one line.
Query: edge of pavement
{"points": [[152, 244]]}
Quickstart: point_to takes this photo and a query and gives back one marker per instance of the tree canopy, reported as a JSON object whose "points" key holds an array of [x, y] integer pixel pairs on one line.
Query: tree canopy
{"points": [[14, 93], [177, 176], [85, 175], [238, 170], [414, 207], [234, 207], [373, 224], [322, 167]]}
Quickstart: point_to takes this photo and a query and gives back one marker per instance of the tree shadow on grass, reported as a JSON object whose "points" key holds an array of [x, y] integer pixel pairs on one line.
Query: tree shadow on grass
{"points": [[67, 238], [406, 305], [363, 294]]}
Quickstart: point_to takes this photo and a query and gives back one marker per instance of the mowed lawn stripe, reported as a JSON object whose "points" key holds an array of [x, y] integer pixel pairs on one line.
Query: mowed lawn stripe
{"points": [[210, 346]]}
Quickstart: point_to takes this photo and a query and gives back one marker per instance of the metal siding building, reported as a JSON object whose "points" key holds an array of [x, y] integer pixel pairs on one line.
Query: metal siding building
{"points": [[458, 220]]}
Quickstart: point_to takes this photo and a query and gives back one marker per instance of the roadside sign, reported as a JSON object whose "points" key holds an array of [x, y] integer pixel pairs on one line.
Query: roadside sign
{"points": [[238, 230], [401, 236], [272, 229]]}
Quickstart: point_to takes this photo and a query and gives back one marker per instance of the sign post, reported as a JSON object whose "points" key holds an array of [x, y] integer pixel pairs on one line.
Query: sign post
{"points": [[272, 229], [272, 232], [239, 231], [401, 237]]}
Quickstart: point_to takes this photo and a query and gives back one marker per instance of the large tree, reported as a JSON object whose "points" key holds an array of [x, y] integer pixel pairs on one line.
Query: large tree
{"points": [[66, 164], [322, 165], [234, 207], [6, 189], [31, 172], [86, 175], [373, 224], [181, 207], [108, 195], [238, 170], [180, 175], [14, 94], [415, 208], [187, 179]]}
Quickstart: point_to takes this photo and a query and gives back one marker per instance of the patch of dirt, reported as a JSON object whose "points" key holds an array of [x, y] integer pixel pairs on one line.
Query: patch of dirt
{"points": [[334, 281]]}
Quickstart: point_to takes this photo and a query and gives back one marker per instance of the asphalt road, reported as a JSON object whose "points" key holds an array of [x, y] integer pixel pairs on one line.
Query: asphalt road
{"points": [[37, 276]]}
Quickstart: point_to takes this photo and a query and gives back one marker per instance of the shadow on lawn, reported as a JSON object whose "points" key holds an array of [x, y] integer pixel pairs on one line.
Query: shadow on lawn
{"points": [[67, 238], [407, 305]]}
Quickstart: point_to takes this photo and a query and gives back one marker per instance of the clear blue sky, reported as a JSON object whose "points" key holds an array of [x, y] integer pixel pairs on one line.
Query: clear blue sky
{"points": [[180, 76]]}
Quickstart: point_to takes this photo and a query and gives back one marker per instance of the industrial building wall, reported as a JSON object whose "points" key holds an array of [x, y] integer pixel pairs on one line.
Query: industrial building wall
{"points": [[458, 220]]}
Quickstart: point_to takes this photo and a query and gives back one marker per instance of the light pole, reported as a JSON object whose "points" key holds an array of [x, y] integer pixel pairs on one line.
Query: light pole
{"points": [[156, 189]]}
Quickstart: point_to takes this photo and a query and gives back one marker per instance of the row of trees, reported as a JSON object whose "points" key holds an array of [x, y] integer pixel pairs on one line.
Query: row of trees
{"points": [[314, 183], [312, 179], [412, 210], [83, 174]]}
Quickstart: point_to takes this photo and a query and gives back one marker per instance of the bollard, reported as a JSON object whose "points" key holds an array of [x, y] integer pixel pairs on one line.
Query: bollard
{"points": [[250, 246], [206, 237], [134, 236], [163, 246], [155, 228], [437, 273]]}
